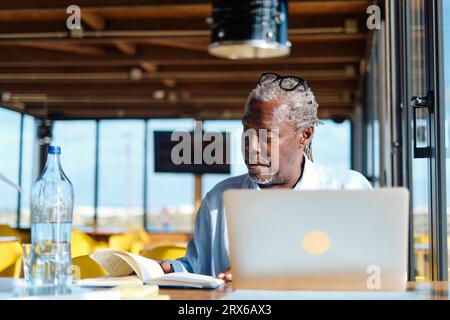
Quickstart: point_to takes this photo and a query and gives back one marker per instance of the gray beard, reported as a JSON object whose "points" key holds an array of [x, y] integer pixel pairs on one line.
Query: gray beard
{"points": [[274, 179]]}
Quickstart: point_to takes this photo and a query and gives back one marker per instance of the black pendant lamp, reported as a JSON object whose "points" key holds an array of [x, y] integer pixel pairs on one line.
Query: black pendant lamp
{"points": [[253, 29]]}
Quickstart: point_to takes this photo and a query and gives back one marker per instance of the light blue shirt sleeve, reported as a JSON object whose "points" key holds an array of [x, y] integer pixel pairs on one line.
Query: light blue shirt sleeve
{"points": [[198, 255]]}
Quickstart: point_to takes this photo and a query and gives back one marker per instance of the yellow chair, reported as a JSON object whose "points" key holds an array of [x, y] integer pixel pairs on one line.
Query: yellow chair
{"points": [[10, 259], [122, 241], [167, 252], [133, 241], [85, 267], [82, 244]]}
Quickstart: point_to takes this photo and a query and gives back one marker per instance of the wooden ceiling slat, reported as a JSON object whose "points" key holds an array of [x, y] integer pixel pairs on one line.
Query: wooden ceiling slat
{"points": [[49, 4], [90, 102], [187, 62], [93, 19], [203, 10], [151, 68], [65, 47], [146, 86], [156, 53], [156, 24], [176, 76], [163, 112], [127, 48]]}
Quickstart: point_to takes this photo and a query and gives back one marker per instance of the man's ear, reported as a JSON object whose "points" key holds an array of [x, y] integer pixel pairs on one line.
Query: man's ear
{"points": [[307, 135]]}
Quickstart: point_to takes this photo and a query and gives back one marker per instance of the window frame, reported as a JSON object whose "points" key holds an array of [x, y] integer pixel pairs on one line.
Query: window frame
{"points": [[436, 161]]}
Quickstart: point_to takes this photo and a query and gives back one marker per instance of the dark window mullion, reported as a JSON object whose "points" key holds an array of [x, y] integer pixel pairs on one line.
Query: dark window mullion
{"points": [[19, 180], [97, 145], [145, 186]]}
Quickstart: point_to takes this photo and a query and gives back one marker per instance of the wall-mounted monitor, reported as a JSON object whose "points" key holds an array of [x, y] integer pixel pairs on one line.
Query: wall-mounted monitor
{"points": [[205, 152]]}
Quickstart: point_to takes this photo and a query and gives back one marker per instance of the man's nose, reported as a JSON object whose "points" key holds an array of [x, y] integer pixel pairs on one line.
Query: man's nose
{"points": [[253, 144]]}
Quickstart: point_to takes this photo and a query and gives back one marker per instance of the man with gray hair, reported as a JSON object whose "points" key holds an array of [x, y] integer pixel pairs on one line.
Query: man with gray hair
{"points": [[279, 122]]}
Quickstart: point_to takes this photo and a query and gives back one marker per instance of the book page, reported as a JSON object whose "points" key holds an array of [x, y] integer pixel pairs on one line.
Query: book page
{"points": [[148, 268], [111, 262], [121, 263]]}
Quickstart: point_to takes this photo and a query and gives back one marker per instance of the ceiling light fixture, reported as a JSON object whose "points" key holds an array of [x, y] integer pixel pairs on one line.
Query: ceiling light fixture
{"points": [[254, 29]]}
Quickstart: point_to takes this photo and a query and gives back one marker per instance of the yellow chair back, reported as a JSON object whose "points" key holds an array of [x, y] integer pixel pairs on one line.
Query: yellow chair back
{"points": [[85, 267], [82, 244], [10, 259], [122, 241], [134, 241], [166, 252]]}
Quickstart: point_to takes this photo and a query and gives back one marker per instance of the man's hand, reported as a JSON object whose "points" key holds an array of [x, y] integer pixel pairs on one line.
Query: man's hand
{"points": [[226, 275], [167, 267]]}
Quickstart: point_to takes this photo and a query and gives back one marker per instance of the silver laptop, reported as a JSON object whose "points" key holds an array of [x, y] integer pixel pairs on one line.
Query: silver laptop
{"points": [[318, 240]]}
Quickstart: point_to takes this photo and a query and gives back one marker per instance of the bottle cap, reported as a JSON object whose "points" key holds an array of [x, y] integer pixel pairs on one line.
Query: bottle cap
{"points": [[54, 149]]}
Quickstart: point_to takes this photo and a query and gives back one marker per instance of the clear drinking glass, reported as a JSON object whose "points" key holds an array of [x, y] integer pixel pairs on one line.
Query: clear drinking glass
{"points": [[26, 252], [50, 264]]}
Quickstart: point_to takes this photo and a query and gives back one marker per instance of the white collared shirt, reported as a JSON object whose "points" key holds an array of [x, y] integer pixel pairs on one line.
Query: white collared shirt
{"points": [[207, 252]]}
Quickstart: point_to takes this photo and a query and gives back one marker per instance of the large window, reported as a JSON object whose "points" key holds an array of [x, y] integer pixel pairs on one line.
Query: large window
{"points": [[420, 166], [121, 173], [77, 141], [119, 170], [30, 170], [9, 164], [332, 144], [170, 196], [22, 173]]}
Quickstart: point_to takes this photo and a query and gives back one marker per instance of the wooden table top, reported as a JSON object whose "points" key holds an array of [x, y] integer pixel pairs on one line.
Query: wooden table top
{"points": [[416, 291], [423, 290]]}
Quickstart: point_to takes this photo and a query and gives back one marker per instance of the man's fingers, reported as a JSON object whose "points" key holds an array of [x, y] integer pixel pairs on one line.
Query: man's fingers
{"points": [[167, 267], [225, 276]]}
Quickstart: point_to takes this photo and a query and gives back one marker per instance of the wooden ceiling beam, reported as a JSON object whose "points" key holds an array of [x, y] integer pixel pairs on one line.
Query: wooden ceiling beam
{"points": [[42, 4], [192, 76], [141, 86], [96, 102], [174, 107], [93, 19], [335, 34], [162, 112], [198, 24], [125, 47], [174, 43], [310, 8], [200, 10], [143, 93], [210, 62], [64, 47], [222, 99], [151, 68], [154, 54]]}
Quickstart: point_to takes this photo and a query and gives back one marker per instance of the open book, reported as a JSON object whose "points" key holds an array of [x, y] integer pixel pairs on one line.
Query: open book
{"points": [[121, 265]]}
